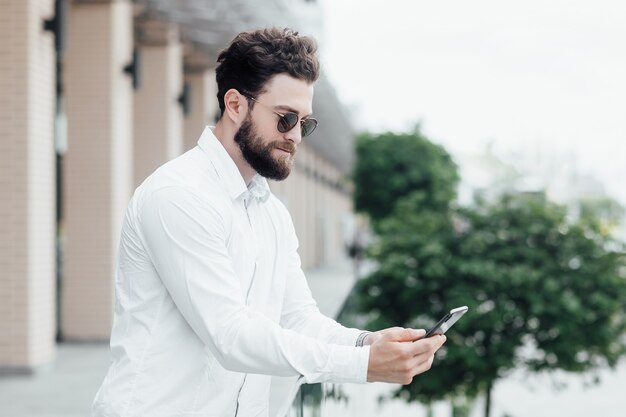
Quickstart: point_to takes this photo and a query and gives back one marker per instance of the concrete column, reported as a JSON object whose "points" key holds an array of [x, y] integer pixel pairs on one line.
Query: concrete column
{"points": [[158, 129], [203, 110], [327, 212], [316, 216], [98, 170], [308, 213], [330, 251], [348, 219], [312, 209], [27, 179], [320, 213], [300, 194], [294, 196], [341, 210]]}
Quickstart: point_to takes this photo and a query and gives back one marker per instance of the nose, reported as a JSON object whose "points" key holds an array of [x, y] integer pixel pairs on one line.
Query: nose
{"points": [[295, 134]]}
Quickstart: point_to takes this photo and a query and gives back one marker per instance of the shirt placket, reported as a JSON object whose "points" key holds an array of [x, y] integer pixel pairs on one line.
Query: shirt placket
{"points": [[246, 202], [246, 205]]}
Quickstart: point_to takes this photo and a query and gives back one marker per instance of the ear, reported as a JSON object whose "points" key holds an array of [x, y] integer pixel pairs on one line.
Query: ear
{"points": [[236, 106]]}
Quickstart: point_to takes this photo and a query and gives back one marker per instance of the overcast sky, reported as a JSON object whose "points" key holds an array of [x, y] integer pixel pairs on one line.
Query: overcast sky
{"points": [[548, 74]]}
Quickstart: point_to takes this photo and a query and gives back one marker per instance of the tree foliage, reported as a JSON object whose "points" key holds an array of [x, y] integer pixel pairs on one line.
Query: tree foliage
{"points": [[606, 212], [390, 166], [544, 293]]}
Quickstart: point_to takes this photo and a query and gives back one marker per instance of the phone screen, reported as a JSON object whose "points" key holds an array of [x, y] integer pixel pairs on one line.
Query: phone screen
{"points": [[447, 321]]}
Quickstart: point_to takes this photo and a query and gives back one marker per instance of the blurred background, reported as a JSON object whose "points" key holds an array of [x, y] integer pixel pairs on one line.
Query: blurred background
{"points": [[468, 153]]}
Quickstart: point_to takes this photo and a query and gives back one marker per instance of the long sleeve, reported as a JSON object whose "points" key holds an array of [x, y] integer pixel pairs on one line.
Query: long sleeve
{"points": [[300, 311], [186, 238]]}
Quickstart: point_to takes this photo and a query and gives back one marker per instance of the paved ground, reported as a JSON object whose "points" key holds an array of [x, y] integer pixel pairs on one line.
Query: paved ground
{"points": [[62, 389], [67, 387]]}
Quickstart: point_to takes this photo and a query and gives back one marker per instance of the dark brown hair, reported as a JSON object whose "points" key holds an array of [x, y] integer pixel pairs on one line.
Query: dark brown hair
{"points": [[253, 58]]}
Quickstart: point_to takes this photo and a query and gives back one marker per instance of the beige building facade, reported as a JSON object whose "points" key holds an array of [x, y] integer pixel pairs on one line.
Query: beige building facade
{"points": [[116, 135], [27, 228], [97, 166]]}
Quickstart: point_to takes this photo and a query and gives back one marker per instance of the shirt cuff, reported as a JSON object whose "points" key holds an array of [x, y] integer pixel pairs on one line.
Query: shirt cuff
{"points": [[348, 337], [349, 364]]}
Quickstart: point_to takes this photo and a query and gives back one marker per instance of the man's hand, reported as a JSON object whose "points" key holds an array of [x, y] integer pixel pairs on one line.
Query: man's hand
{"points": [[396, 354]]}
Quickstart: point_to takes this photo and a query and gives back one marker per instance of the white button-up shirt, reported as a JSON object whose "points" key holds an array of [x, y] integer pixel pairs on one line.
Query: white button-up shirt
{"points": [[211, 299]]}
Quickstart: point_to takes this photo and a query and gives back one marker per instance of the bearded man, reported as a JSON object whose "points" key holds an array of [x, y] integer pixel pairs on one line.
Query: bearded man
{"points": [[211, 300]]}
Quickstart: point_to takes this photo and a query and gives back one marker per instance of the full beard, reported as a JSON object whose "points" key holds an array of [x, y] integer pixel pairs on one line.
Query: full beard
{"points": [[259, 155]]}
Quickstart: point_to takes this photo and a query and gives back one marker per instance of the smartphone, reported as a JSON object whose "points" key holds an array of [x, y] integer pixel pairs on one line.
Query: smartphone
{"points": [[447, 321]]}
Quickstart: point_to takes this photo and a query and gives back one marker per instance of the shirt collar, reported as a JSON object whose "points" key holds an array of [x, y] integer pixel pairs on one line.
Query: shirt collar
{"points": [[228, 172]]}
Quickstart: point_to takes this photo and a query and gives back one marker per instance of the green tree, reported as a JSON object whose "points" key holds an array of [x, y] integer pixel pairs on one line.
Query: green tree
{"points": [[530, 278], [607, 212], [390, 166]]}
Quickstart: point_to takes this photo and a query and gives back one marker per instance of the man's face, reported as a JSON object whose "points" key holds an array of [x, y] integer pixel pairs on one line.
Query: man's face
{"points": [[258, 153], [269, 152]]}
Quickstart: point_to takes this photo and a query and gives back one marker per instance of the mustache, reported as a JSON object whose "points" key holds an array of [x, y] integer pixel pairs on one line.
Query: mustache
{"points": [[286, 146]]}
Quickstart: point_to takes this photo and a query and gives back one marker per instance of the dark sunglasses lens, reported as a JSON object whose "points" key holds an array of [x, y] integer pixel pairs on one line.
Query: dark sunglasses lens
{"points": [[287, 122], [308, 126]]}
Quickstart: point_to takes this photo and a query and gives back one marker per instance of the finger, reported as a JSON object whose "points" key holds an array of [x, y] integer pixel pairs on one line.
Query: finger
{"points": [[420, 333], [427, 346], [399, 334], [411, 335], [439, 341], [423, 364], [389, 331]]}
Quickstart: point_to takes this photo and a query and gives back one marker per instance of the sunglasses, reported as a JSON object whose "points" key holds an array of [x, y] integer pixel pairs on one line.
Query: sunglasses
{"points": [[289, 120]]}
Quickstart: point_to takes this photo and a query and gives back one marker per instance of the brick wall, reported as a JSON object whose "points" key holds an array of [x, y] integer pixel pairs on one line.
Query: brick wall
{"points": [[27, 178], [97, 167], [203, 105], [158, 129]]}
